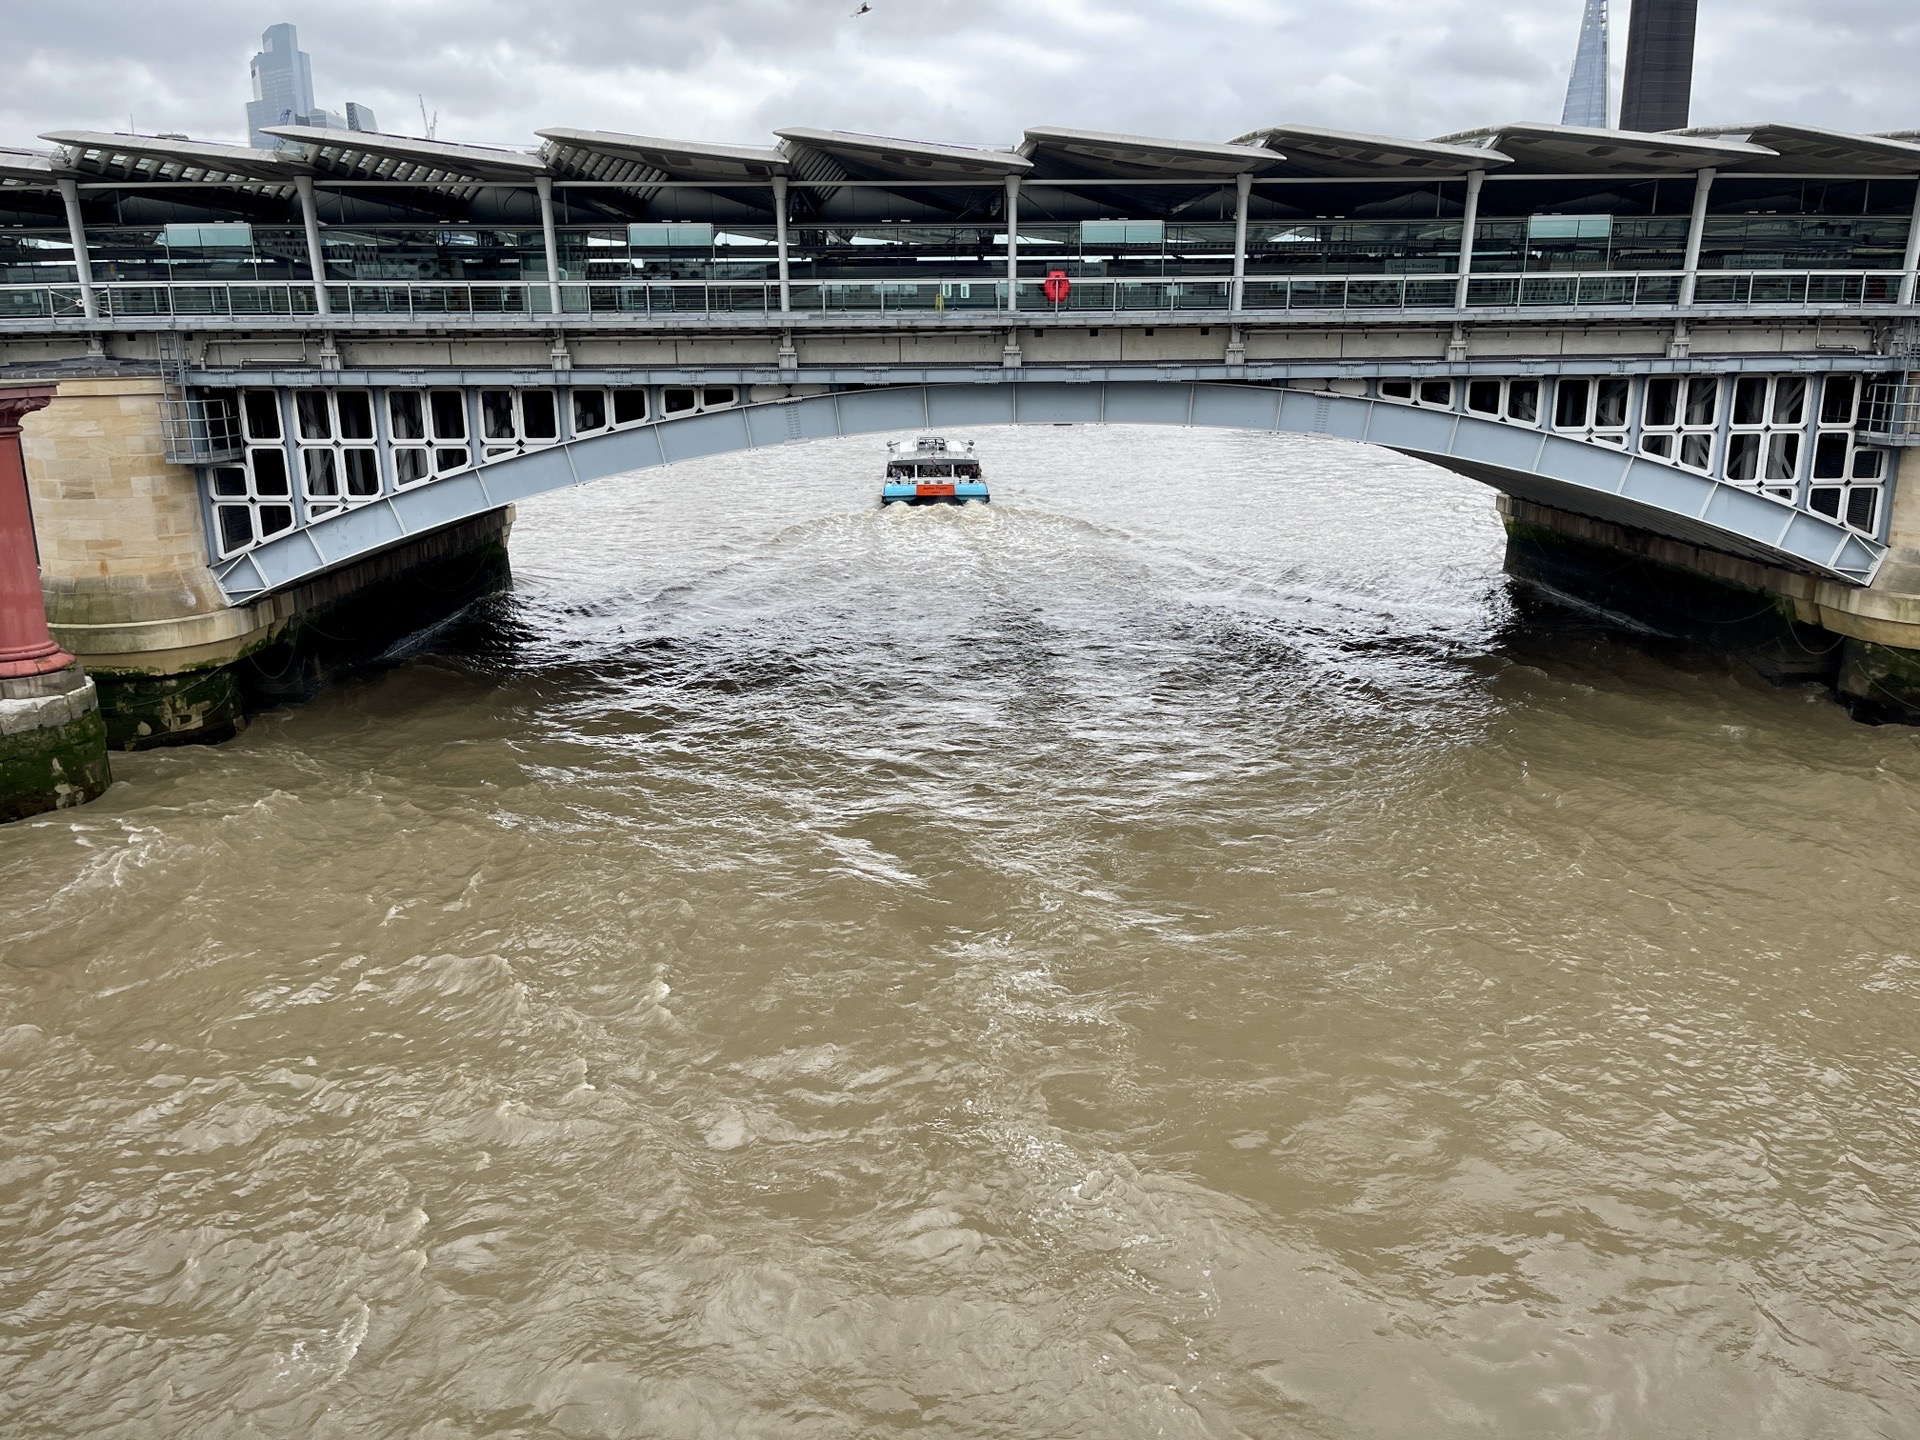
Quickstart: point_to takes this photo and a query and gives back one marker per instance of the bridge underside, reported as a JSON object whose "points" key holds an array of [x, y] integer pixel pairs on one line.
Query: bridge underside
{"points": [[1600, 481]]}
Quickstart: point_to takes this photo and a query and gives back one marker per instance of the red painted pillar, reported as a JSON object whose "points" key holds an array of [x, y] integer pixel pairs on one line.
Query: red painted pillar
{"points": [[26, 645]]}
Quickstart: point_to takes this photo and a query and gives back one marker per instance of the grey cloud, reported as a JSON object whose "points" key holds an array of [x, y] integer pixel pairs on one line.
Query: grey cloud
{"points": [[972, 70]]}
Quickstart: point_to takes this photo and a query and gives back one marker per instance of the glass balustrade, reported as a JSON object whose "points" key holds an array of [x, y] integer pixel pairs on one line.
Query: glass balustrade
{"points": [[664, 300]]}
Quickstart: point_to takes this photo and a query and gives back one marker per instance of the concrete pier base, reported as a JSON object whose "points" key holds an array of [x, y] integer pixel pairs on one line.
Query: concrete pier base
{"points": [[1864, 643], [53, 744]]}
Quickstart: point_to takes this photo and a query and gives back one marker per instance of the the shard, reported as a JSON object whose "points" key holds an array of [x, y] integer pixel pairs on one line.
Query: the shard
{"points": [[1587, 90], [1659, 88]]}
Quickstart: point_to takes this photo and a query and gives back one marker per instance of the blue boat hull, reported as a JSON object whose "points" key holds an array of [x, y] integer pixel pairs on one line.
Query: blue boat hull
{"points": [[910, 495]]}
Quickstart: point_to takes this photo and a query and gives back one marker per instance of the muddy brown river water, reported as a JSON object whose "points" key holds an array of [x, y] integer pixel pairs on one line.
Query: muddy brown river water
{"points": [[1184, 952]]}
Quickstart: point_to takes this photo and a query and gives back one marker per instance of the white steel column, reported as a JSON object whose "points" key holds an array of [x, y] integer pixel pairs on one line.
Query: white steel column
{"points": [[1912, 262], [1470, 223], [316, 257], [543, 184], [780, 238], [1013, 242], [1696, 232], [77, 237], [1244, 184]]}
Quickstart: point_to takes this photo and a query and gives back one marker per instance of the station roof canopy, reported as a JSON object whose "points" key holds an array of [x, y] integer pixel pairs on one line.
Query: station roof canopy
{"points": [[1804, 149], [1578, 150], [879, 157], [1099, 155], [647, 159], [1310, 150], [432, 164], [92, 153], [32, 167]]}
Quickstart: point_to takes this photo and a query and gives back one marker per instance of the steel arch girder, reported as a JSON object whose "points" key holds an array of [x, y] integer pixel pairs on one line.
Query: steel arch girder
{"points": [[1601, 481]]}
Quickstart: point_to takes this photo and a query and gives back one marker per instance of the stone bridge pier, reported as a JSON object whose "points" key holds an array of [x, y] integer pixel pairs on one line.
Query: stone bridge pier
{"points": [[125, 569]]}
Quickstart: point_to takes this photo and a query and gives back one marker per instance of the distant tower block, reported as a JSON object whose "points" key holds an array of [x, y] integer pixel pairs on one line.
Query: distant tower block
{"points": [[1587, 90], [1659, 89]]}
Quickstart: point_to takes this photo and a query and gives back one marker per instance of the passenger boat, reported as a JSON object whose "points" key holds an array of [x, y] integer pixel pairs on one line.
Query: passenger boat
{"points": [[932, 470]]}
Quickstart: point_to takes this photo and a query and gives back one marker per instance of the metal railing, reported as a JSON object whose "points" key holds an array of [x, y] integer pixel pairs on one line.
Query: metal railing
{"points": [[1890, 414], [132, 300]]}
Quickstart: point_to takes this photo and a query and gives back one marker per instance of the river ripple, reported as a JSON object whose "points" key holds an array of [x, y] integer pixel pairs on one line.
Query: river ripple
{"points": [[1178, 953]]}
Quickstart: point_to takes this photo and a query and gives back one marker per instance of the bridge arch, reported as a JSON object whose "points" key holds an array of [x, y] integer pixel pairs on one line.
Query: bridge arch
{"points": [[1601, 481]]}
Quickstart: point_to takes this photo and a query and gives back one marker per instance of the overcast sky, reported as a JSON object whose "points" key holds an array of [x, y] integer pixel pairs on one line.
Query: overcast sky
{"points": [[963, 70]]}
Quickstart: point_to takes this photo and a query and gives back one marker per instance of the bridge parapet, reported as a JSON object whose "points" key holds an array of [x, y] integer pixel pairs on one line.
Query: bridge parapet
{"points": [[1319, 300]]}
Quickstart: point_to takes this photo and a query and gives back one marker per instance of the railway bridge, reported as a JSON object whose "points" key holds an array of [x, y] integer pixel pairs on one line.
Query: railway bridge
{"points": [[253, 398]]}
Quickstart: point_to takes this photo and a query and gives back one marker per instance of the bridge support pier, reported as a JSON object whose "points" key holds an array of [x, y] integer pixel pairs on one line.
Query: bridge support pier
{"points": [[124, 572], [1792, 628], [53, 747]]}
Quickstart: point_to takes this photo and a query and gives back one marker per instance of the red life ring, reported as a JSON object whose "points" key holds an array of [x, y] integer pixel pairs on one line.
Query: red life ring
{"points": [[1057, 285]]}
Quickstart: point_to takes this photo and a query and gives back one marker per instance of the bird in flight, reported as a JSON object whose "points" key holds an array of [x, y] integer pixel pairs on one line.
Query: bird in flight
{"points": [[863, 10]]}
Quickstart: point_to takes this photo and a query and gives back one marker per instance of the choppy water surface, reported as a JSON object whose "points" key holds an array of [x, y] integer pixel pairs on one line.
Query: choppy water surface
{"points": [[1171, 955]]}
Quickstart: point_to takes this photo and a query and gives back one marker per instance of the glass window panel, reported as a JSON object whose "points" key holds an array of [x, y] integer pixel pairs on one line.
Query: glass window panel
{"points": [[236, 527], [1743, 458], [1825, 500], [363, 472], [1830, 457], [1703, 401], [1661, 445], [1523, 401], [539, 414], [1610, 404], [275, 519], [496, 414], [1569, 227], [322, 478], [675, 401], [1837, 397], [269, 472], [1397, 389], [262, 411], [407, 413], [356, 414], [629, 407], [1750, 400], [1663, 402], [446, 460], [449, 415], [230, 480], [1483, 396], [589, 410], [718, 395], [1790, 400], [1696, 451], [410, 467], [1783, 457], [1570, 404], [1436, 392], [1122, 232], [1869, 464], [1863, 509], [226, 234], [315, 417], [672, 235]]}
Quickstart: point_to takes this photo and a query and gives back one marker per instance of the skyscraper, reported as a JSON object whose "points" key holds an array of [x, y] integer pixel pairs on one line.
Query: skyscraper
{"points": [[1587, 90], [282, 85], [1659, 89], [283, 92]]}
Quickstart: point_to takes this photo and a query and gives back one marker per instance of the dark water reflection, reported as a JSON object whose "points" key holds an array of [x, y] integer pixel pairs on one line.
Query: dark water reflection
{"points": [[1179, 953]]}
